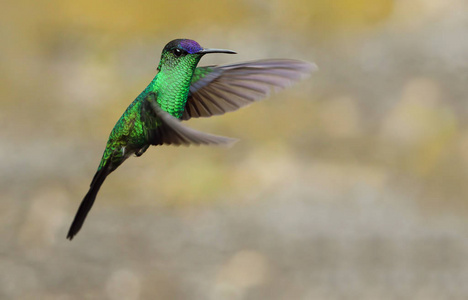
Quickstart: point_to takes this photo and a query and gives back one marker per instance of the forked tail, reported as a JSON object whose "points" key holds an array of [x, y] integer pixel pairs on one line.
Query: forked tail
{"points": [[88, 201]]}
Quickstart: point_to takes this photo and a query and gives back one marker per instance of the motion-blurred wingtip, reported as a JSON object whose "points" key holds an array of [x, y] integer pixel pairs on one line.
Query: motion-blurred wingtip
{"points": [[309, 67], [313, 67], [229, 142]]}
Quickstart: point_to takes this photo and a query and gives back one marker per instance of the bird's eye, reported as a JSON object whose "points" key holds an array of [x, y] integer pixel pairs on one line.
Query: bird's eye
{"points": [[177, 52]]}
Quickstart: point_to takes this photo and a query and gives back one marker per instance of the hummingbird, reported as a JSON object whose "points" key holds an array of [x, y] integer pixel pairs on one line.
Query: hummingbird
{"points": [[180, 91]]}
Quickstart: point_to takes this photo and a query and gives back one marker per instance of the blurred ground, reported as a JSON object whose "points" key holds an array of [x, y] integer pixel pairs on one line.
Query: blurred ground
{"points": [[351, 185]]}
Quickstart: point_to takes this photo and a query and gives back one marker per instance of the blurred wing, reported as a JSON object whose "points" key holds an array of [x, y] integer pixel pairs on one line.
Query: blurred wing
{"points": [[216, 90], [170, 131]]}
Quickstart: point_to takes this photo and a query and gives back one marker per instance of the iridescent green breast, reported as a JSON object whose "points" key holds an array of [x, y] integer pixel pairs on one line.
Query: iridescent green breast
{"points": [[172, 84]]}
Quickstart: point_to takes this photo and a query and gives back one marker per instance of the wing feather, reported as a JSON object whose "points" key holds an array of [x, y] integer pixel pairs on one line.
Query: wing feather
{"points": [[170, 131], [216, 90]]}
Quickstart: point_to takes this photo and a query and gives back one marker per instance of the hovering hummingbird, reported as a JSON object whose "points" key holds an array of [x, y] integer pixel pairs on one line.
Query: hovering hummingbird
{"points": [[181, 91]]}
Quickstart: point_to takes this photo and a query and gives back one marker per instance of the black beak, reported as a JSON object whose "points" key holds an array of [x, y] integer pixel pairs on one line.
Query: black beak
{"points": [[205, 51]]}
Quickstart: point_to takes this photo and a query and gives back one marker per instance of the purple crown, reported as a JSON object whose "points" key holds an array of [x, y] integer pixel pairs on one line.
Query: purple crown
{"points": [[190, 46]]}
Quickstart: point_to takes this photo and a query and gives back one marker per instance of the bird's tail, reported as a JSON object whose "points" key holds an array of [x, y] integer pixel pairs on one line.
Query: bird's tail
{"points": [[88, 200]]}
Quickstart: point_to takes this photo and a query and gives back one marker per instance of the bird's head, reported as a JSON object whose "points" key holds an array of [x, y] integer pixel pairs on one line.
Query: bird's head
{"points": [[185, 54]]}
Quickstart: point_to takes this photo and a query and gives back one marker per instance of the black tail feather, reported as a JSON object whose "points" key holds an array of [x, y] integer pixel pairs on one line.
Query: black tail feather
{"points": [[88, 201]]}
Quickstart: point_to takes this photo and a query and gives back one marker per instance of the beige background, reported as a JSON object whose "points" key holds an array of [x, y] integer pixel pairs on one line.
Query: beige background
{"points": [[351, 185]]}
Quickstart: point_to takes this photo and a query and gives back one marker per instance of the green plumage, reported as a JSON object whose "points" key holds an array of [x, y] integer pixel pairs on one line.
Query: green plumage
{"points": [[132, 131], [181, 91], [128, 135], [200, 73]]}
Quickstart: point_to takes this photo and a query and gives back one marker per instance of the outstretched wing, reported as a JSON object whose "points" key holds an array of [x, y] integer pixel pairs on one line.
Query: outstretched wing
{"points": [[216, 90], [170, 131]]}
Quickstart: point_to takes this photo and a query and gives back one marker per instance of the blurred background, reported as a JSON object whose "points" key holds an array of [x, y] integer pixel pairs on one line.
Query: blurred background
{"points": [[350, 185]]}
